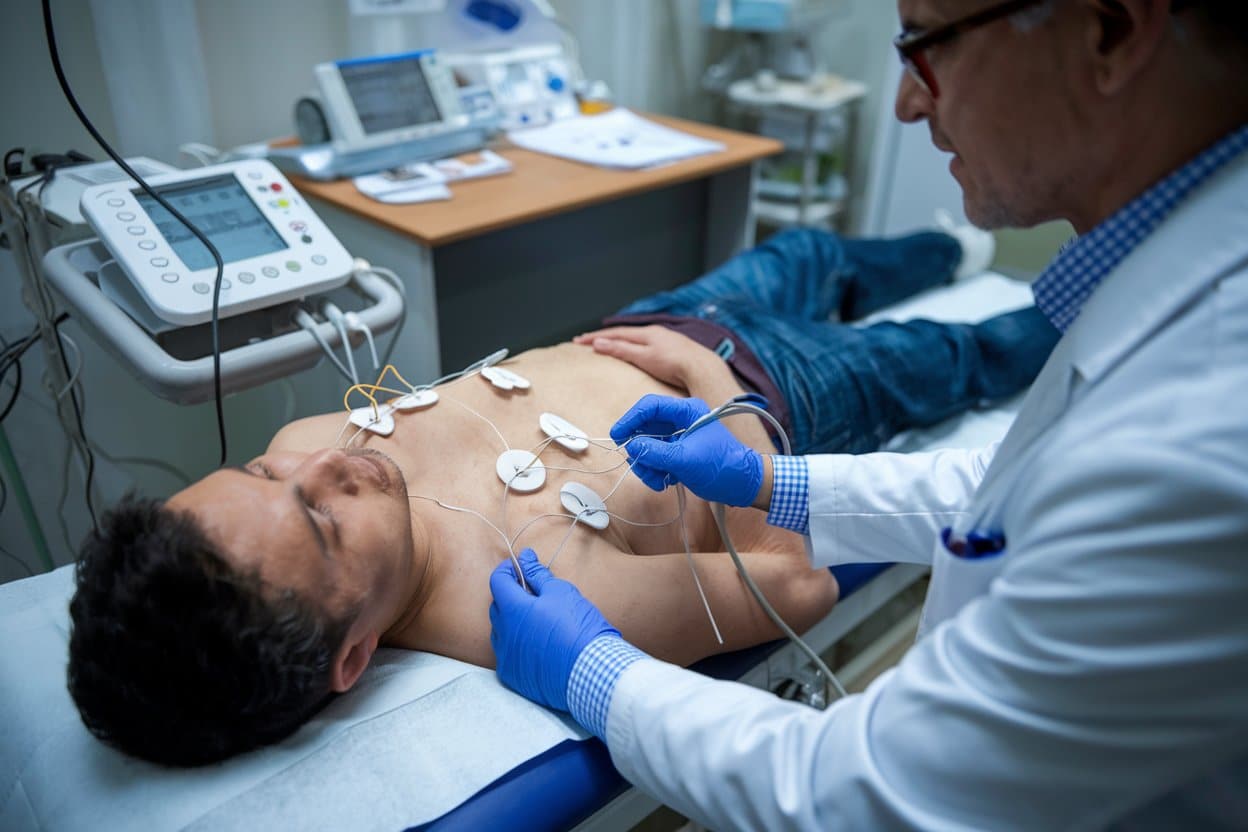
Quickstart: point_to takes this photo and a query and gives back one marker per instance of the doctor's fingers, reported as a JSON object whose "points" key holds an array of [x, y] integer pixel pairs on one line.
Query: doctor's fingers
{"points": [[658, 415]]}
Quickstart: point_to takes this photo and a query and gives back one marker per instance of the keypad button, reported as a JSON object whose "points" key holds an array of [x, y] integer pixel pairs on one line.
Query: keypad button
{"points": [[170, 277], [246, 277], [116, 202], [269, 271], [147, 245], [160, 262], [137, 230], [306, 238], [294, 265], [125, 216], [225, 284], [202, 288], [319, 259]]}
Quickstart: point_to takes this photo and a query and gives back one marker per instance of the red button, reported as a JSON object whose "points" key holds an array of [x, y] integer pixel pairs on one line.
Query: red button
{"points": [[276, 186]]}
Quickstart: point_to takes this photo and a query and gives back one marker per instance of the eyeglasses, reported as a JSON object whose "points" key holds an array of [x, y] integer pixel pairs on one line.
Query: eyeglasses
{"points": [[912, 46]]}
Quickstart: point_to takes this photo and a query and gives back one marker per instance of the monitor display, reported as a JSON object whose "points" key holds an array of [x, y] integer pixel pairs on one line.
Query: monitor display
{"points": [[390, 94], [221, 209]]}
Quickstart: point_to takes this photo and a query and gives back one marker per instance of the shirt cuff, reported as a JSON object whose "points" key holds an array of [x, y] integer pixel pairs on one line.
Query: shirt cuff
{"points": [[593, 680], [790, 494]]}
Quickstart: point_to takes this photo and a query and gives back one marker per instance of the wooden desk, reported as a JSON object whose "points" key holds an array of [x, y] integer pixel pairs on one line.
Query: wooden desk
{"points": [[543, 252]]}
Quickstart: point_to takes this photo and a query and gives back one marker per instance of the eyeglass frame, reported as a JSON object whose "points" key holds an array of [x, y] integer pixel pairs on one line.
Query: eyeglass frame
{"points": [[912, 46]]}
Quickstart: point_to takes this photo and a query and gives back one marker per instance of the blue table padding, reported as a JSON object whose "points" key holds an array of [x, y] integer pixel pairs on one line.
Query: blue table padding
{"points": [[566, 784]]}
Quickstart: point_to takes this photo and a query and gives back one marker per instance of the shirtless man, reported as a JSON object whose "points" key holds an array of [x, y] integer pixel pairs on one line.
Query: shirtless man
{"points": [[222, 618]]}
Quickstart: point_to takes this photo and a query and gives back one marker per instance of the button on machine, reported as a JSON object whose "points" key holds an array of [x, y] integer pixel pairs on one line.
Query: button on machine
{"points": [[147, 245], [116, 202], [160, 262], [125, 216], [169, 277], [246, 277], [270, 271], [202, 288], [318, 259], [294, 265], [137, 230]]}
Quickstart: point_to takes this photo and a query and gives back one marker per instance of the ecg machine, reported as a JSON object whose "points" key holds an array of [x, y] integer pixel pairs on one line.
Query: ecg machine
{"points": [[144, 286], [379, 112], [274, 246]]}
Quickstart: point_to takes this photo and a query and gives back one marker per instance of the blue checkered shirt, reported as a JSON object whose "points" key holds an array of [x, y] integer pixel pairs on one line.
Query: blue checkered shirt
{"points": [[790, 494], [1068, 282], [593, 680]]}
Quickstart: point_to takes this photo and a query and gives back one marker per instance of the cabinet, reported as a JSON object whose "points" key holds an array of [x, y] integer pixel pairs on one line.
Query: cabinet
{"points": [[815, 118]]}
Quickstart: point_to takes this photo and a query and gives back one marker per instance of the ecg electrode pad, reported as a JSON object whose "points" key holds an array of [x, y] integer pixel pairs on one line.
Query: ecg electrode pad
{"points": [[564, 432]]}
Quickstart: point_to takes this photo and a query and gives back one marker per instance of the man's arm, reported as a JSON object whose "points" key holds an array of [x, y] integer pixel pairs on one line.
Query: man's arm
{"points": [[1099, 673], [883, 507], [655, 603]]}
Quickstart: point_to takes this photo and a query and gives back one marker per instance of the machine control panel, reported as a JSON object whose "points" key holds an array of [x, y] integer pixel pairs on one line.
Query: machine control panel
{"points": [[275, 248], [532, 85]]}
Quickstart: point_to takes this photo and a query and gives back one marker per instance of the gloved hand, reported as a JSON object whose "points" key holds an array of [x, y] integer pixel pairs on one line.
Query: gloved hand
{"points": [[537, 638], [710, 461]]}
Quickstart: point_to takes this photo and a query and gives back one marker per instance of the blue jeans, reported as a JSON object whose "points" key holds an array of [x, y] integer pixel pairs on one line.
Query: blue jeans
{"points": [[849, 389]]}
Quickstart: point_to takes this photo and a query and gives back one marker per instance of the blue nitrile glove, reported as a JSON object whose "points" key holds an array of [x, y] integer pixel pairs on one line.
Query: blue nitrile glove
{"points": [[710, 461], [537, 638]]}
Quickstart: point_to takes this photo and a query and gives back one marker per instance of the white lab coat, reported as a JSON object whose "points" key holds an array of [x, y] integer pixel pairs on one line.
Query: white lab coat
{"points": [[1094, 673]]}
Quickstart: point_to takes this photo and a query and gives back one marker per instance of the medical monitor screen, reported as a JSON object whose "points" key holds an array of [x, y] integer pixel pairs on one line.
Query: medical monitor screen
{"points": [[390, 94], [221, 209]]}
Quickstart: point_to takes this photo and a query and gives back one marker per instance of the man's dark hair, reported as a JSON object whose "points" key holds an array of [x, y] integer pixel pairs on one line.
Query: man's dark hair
{"points": [[179, 659]]}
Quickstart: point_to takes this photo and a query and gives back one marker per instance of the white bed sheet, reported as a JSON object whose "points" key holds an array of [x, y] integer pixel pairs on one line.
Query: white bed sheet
{"points": [[417, 736]]}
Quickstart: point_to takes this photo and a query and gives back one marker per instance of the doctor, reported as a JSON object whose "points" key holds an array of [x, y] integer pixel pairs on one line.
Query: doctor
{"points": [[1083, 659]]}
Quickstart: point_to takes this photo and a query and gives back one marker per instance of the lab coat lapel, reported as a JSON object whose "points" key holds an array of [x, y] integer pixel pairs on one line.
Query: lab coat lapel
{"points": [[1045, 402]]}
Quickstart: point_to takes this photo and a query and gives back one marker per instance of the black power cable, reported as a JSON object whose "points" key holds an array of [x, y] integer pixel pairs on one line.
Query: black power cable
{"points": [[216, 255]]}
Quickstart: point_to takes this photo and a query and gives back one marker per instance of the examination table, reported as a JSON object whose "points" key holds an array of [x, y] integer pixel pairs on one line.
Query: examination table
{"points": [[421, 742]]}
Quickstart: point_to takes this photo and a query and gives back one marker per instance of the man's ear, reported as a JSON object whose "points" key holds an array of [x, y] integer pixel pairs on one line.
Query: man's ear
{"points": [[352, 657], [1123, 36]]}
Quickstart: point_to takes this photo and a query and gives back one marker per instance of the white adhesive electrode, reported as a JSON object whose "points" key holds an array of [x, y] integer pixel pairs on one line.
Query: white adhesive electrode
{"points": [[520, 470], [585, 503], [379, 421], [564, 432], [415, 400], [505, 379]]}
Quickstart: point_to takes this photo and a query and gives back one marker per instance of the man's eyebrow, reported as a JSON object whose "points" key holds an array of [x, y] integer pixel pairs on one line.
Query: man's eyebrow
{"points": [[312, 524], [321, 544]]}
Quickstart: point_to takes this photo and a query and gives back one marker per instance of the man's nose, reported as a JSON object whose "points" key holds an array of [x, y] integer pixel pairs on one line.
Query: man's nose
{"points": [[325, 472], [913, 102]]}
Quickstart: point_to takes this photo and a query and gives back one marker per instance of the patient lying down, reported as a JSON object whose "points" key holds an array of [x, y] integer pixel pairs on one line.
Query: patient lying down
{"points": [[223, 618]]}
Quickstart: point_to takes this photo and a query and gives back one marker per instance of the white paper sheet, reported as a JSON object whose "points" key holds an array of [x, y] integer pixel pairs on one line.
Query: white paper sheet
{"points": [[617, 139]]}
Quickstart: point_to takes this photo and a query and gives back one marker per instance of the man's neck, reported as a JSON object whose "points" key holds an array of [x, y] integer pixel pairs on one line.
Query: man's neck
{"points": [[1143, 166], [422, 578]]}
